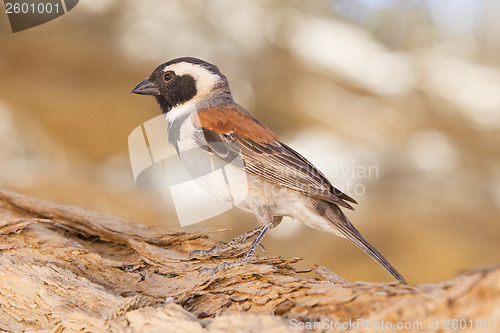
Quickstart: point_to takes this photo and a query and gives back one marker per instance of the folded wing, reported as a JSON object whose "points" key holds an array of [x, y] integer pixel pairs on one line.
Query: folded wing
{"points": [[229, 130]]}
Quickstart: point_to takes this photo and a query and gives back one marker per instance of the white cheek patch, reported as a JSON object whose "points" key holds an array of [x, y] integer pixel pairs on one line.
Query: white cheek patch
{"points": [[205, 79]]}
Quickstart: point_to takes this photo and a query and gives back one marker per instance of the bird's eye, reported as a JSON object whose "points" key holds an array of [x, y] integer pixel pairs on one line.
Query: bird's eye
{"points": [[168, 76]]}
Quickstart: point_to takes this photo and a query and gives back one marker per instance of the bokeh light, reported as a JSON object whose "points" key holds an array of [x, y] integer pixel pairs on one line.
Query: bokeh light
{"points": [[411, 88]]}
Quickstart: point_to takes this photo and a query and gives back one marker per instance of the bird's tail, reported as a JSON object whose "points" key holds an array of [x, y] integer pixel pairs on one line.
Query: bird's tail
{"points": [[346, 229]]}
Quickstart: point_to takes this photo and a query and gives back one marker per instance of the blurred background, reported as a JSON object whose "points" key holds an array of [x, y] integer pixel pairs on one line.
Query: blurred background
{"points": [[397, 101]]}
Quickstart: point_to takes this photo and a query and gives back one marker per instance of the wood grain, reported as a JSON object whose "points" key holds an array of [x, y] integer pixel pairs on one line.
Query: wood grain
{"points": [[66, 269]]}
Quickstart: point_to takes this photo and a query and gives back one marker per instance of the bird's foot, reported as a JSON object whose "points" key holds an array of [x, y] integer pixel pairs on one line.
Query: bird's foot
{"points": [[235, 243], [248, 255], [226, 265], [213, 252]]}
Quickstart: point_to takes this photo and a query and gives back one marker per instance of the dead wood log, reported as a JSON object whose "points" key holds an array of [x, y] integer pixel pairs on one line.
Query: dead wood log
{"points": [[65, 269]]}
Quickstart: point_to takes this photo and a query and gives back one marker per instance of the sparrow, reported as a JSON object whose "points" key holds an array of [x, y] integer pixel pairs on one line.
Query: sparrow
{"points": [[197, 103]]}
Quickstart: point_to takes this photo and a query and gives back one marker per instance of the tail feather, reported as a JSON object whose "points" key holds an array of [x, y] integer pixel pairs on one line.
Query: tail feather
{"points": [[346, 229]]}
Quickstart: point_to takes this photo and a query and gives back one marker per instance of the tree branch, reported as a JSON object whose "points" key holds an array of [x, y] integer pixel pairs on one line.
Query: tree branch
{"points": [[64, 268]]}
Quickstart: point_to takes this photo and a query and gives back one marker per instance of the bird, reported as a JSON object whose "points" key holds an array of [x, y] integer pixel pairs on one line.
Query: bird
{"points": [[197, 103]]}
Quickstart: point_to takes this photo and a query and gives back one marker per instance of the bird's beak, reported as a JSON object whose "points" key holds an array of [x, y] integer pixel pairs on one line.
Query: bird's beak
{"points": [[146, 87]]}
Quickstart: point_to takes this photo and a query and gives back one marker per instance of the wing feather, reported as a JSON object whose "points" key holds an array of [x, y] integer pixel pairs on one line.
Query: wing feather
{"points": [[263, 154]]}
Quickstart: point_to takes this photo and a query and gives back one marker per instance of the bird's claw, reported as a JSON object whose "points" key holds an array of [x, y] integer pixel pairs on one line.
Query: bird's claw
{"points": [[225, 265], [202, 254], [215, 251]]}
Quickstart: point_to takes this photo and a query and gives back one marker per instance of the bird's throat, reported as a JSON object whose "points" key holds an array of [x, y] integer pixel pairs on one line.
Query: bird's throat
{"points": [[165, 105]]}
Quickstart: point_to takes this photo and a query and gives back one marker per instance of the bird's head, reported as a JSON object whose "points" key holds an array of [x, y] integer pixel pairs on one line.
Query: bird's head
{"points": [[184, 80]]}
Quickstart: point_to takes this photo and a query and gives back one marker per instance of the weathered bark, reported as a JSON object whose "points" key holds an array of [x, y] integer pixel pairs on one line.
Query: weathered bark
{"points": [[63, 268]]}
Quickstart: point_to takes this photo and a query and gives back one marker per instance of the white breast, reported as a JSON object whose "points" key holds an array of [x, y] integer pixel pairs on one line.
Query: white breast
{"points": [[225, 182], [179, 112]]}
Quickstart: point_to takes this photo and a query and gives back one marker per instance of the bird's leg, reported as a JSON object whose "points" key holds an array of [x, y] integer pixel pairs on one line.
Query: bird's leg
{"points": [[251, 251], [234, 243], [256, 242], [276, 221]]}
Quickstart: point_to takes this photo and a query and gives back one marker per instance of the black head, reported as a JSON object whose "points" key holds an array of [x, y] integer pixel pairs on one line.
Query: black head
{"points": [[181, 80]]}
